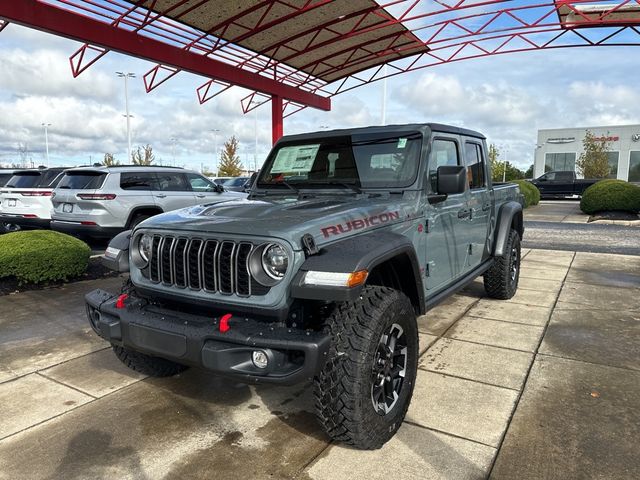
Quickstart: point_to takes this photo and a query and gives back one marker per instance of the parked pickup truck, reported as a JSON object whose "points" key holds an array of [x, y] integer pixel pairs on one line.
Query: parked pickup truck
{"points": [[561, 184], [320, 274]]}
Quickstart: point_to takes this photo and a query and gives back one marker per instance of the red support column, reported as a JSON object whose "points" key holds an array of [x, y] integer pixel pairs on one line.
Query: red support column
{"points": [[276, 118]]}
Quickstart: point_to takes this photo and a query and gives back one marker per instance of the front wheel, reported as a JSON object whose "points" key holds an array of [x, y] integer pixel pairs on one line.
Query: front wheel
{"points": [[364, 389], [501, 280]]}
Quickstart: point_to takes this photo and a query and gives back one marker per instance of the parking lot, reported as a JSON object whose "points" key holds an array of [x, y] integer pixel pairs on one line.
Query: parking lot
{"points": [[546, 385]]}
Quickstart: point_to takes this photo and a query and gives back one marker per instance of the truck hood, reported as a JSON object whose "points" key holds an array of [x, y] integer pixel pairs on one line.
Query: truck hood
{"points": [[325, 218]]}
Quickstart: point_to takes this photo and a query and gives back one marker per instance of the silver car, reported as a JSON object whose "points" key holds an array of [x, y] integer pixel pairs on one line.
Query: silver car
{"points": [[100, 202]]}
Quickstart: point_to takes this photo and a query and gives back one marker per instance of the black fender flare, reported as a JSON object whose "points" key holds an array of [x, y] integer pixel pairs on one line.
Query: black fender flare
{"points": [[510, 214], [116, 257], [362, 252]]}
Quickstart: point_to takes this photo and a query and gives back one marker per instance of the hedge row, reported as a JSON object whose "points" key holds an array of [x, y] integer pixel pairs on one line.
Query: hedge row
{"points": [[530, 192], [41, 256], [611, 195]]}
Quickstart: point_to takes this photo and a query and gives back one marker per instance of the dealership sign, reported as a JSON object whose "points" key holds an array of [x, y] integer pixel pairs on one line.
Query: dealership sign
{"points": [[561, 140]]}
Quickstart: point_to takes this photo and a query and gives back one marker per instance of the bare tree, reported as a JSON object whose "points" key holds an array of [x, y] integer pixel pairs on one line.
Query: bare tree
{"points": [[143, 155], [110, 160]]}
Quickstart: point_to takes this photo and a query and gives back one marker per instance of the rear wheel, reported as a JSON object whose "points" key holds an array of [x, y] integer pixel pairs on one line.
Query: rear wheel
{"points": [[363, 391], [138, 219], [501, 280], [146, 364]]}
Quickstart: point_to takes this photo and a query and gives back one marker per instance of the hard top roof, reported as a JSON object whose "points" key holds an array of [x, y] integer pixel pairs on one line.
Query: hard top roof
{"points": [[419, 127]]}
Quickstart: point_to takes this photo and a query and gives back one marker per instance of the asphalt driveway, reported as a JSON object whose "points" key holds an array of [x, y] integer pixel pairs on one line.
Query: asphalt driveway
{"points": [[560, 225], [546, 385]]}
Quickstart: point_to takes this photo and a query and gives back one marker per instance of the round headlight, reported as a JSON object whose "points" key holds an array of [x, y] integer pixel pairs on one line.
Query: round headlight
{"points": [[275, 261], [144, 246]]}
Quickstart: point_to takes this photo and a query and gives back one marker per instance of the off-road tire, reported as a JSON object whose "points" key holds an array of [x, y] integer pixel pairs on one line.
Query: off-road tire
{"points": [[343, 389], [146, 364], [501, 280]]}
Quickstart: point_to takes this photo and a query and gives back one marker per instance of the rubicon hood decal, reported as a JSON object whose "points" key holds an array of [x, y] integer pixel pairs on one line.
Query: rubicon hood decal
{"points": [[359, 224]]}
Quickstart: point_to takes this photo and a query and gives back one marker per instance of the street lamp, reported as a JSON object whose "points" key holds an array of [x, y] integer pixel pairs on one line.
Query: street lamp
{"points": [[126, 77], [46, 140], [173, 150], [215, 150]]}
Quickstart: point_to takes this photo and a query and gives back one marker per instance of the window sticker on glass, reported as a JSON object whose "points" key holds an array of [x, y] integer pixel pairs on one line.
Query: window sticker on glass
{"points": [[295, 159], [402, 142]]}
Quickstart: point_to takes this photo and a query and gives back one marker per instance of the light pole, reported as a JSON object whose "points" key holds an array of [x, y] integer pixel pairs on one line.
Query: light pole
{"points": [[46, 140], [126, 77], [215, 150], [504, 169], [173, 150]]}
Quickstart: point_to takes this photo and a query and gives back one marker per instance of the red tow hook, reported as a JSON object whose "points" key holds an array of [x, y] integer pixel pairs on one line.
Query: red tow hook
{"points": [[121, 299], [224, 323]]}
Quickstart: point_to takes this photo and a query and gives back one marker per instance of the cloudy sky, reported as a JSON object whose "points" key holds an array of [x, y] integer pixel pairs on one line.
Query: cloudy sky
{"points": [[507, 97]]}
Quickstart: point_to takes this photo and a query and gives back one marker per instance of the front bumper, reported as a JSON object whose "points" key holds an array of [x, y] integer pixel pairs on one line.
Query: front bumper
{"points": [[294, 355]]}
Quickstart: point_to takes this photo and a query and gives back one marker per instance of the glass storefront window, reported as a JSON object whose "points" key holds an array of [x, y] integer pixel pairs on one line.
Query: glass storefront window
{"points": [[634, 167], [560, 162], [613, 157]]}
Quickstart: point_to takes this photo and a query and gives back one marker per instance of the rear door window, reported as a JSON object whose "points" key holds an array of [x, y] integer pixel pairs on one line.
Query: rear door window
{"points": [[82, 180], [138, 181], [173, 182], [475, 165]]}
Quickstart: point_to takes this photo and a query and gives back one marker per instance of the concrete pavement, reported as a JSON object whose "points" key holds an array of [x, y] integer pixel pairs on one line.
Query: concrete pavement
{"points": [[542, 386]]}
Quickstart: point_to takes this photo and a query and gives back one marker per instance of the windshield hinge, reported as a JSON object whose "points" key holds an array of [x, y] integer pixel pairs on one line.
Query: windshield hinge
{"points": [[309, 245]]}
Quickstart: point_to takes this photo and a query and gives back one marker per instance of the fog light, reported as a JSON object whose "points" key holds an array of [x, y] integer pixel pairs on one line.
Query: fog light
{"points": [[259, 359]]}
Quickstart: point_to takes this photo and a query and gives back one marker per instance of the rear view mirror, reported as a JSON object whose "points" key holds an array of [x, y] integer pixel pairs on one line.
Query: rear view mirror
{"points": [[452, 180]]}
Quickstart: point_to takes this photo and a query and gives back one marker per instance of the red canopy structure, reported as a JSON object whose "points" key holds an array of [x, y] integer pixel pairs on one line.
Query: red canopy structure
{"points": [[300, 53]]}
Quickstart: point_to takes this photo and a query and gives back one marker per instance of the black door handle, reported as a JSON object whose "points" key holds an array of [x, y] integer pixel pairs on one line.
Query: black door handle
{"points": [[464, 213]]}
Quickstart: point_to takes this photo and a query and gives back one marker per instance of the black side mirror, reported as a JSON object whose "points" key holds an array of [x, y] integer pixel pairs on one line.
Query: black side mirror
{"points": [[219, 188], [452, 180]]}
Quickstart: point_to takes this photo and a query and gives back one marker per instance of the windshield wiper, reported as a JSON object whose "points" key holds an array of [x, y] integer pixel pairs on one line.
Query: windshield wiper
{"points": [[350, 186]]}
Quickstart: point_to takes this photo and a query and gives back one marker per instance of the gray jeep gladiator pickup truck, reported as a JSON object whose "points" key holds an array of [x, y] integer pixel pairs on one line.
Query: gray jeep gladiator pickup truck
{"points": [[320, 274]]}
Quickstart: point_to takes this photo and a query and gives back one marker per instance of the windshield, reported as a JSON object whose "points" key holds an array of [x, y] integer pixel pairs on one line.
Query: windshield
{"points": [[364, 160], [235, 182], [82, 180], [24, 180], [4, 177]]}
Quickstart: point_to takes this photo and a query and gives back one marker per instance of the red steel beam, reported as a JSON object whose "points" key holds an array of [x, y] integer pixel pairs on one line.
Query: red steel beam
{"points": [[38, 15], [277, 129]]}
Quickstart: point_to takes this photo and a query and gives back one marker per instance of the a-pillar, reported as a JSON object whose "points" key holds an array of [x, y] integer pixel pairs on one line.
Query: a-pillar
{"points": [[276, 118]]}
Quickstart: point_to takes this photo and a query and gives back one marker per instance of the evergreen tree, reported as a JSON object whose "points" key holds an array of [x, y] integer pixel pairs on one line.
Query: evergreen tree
{"points": [[229, 165]]}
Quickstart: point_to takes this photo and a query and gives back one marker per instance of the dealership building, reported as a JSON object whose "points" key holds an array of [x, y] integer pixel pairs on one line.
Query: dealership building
{"points": [[559, 148]]}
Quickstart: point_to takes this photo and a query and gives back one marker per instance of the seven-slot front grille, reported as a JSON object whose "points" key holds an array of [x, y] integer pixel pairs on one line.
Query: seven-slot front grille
{"points": [[210, 265]]}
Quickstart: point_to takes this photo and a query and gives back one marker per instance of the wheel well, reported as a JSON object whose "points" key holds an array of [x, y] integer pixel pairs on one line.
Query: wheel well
{"points": [[151, 211], [397, 273], [517, 223]]}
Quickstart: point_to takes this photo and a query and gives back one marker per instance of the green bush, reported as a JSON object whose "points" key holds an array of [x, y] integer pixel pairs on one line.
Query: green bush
{"points": [[41, 255], [609, 195], [530, 192]]}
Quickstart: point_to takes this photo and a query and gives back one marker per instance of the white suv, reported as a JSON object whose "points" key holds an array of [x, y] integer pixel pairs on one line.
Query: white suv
{"points": [[101, 202], [25, 199]]}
